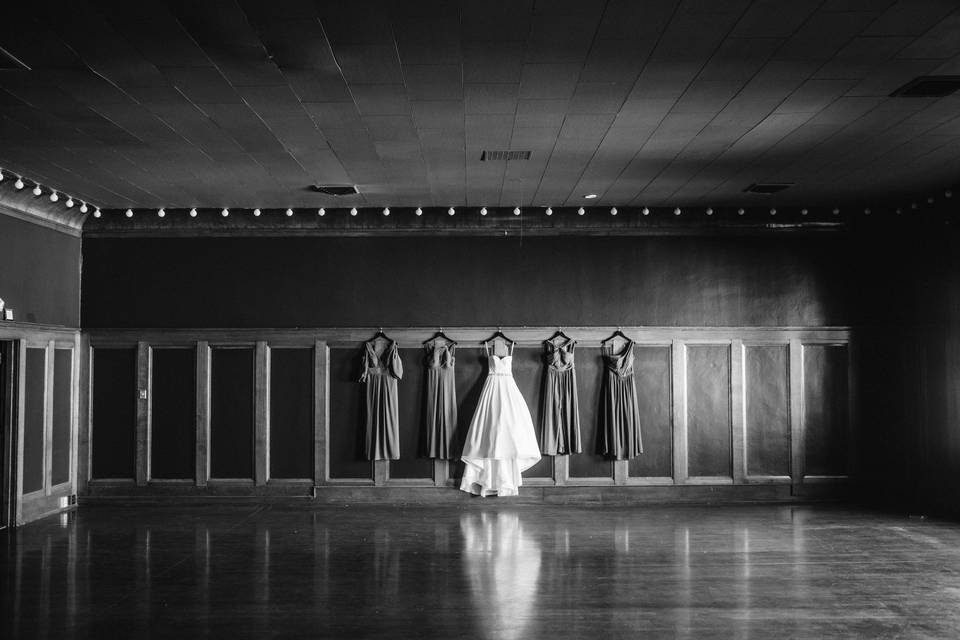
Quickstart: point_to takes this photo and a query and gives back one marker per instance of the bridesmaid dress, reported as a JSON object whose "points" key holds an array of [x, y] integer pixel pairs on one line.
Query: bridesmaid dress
{"points": [[619, 432], [441, 418], [560, 410], [381, 373]]}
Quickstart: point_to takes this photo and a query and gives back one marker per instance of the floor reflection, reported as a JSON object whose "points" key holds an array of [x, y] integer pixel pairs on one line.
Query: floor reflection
{"points": [[502, 565], [495, 571]]}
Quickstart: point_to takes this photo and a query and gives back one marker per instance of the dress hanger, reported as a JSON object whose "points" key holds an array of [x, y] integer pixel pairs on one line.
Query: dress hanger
{"points": [[559, 334], [616, 334], [380, 336], [499, 334], [438, 335]]}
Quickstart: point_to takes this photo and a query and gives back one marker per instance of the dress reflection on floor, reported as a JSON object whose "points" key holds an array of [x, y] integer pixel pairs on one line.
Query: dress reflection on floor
{"points": [[502, 565], [486, 569]]}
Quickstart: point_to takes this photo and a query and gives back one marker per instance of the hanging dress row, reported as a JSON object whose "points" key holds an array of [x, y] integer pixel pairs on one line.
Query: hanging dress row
{"points": [[500, 423]]}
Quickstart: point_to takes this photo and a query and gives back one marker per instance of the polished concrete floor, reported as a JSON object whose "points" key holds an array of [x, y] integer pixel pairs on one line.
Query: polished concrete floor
{"points": [[487, 570]]}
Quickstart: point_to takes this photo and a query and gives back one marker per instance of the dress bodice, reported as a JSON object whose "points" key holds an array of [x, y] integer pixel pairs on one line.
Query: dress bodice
{"points": [[440, 355], [619, 363], [559, 356], [500, 365], [387, 362]]}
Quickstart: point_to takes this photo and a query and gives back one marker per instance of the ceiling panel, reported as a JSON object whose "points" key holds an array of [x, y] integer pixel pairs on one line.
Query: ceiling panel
{"points": [[661, 102]]}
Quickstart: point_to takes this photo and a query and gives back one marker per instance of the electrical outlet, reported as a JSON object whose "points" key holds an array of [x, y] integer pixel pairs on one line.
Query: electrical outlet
{"points": [[143, 394]]}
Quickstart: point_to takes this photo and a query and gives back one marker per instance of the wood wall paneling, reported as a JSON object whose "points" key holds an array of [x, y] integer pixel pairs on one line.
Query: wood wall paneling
{"points": [[652, 372], [203, 413], [173, 414], [826, 410], [62, 416], [528, 373], [231, 413], [144, 371], [411, 391], [347, 402], [590, 372], [767, 409], [470, 374], [34, 419], [708, 411], [686, 394], [291, 413], [114, 413]]}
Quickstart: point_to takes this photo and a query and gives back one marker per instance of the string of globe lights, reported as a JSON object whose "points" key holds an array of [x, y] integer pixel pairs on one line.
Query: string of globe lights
{"points": [[55, 196], [548, 211]]}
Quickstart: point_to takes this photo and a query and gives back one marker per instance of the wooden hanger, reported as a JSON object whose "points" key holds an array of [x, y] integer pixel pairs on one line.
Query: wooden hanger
{"points": [[380, 335], [498, 334], [559, 334], [616, 334], [438, 335]]}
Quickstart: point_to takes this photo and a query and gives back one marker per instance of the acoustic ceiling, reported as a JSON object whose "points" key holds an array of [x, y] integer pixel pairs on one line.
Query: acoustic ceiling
{"points": [[248, 103]]}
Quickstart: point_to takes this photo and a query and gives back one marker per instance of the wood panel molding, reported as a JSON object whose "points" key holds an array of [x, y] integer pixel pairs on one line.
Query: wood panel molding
{"points": [[678, 339]]}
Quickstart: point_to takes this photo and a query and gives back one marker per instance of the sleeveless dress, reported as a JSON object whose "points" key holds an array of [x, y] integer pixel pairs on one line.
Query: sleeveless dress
{"points": [[619, 432], [560, 410], [441, 407], [500, 442], [383, 423]]}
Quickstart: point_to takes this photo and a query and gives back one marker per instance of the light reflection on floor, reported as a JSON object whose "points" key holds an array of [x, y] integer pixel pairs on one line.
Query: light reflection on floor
{"points": [[493, 571]]}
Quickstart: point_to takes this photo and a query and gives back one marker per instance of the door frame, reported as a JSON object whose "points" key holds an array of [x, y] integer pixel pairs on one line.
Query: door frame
{"points": [[9, 368]]}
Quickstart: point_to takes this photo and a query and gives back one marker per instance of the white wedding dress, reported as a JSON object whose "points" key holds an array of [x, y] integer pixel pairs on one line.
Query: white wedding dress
{"points": [[501, 442]]}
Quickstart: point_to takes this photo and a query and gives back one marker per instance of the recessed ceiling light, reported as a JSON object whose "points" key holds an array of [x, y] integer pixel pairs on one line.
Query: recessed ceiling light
{"points": [[590, 196]]}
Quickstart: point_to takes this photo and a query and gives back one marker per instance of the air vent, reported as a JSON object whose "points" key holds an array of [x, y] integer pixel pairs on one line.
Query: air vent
{"points": [[336, 190], [767, 187], [489, 156], [928, 87], [10, 61]]}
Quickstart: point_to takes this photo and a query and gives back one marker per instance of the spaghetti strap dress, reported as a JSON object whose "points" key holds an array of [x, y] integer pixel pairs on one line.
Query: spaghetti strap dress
{"points": [[383, 423], [500, 442], [441, 406], [619, 432], [559, 410]]}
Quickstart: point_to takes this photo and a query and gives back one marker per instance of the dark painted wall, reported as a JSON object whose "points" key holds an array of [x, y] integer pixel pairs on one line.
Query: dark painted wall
{"points": [[907, 361], [437, 281], [39, 273]]}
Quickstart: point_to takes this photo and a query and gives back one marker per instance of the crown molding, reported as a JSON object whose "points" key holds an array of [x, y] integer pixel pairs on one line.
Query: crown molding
{"points": [[30, 208]]}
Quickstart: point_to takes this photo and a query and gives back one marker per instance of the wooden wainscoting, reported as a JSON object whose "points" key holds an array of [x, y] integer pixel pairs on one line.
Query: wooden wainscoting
{"points": [[732, 413], [47, 419]]}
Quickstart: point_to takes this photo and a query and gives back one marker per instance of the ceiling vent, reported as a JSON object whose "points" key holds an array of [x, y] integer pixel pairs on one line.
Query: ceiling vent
{"points": [[767, 187], [489, 156], [928, 87], [336, 189], [10, 61]]}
